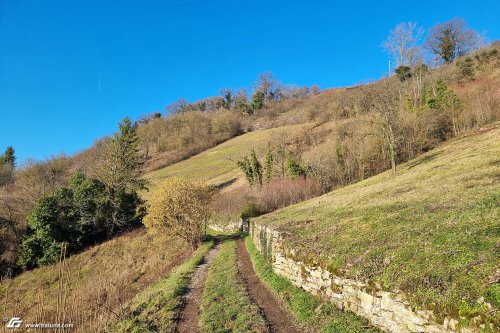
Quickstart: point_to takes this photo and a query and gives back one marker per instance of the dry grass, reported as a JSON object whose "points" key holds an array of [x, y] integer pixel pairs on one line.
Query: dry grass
{"points": [[431, 231], [91, 289], [156, 309]]}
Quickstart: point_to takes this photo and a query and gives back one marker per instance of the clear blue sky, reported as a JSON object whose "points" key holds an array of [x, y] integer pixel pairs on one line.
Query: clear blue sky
{"points": [[70, 70]]}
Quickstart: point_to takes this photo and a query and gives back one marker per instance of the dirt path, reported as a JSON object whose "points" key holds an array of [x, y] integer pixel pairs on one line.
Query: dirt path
{"points": [[190, 314], [278, 319]]}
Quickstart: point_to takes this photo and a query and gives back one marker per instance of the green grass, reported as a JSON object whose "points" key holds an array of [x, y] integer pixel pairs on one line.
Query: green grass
{"points": [[308, 309], [218, 165], [431, 231], [155, 309], [226, 306]]}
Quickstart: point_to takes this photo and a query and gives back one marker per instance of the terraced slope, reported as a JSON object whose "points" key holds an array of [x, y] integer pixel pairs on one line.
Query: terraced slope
{"points": [[432, 231]]}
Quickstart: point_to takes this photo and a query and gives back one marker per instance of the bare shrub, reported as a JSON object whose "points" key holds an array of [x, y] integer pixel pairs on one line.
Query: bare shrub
{"points": [[481, 104], [268, 197], [284, 192], [178, 208]]}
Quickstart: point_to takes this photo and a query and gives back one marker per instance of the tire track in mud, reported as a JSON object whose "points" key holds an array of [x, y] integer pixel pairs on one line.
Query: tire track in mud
{"points": [[278, 318], [188, 321]]}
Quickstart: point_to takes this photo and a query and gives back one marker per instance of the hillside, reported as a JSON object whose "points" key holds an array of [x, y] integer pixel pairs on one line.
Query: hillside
{"points": [[431, 231], [216, 175], [218, 165], [95, 286]]}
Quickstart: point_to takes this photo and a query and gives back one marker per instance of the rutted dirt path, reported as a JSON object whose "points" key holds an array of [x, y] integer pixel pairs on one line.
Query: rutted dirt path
{"points": [[278, 319], [190, 314]]}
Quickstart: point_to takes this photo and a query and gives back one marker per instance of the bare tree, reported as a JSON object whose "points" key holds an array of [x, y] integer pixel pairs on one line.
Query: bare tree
{"points": [[180, 105], [383, 101], [241, 101], [401, 42], [266, 84], [452, 39]]}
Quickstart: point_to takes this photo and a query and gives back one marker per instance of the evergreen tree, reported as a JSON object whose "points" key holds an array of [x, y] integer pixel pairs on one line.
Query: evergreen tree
{"points": [[258, 100], [256, 167], [403, 72], [294, 169], [244, 165], [7, 166], [120, 170], [228, 98], [268, 164], [9, 157], [252, 168]]}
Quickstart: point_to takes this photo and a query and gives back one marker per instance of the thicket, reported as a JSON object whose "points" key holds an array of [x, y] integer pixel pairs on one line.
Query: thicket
{"points": [[246, 202], [75, 217], [167, 140], [67, 211]]}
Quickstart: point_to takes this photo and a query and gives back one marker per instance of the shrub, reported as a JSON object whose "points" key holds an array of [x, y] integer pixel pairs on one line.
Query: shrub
{"points": [[403, 72], [167, 140], [285, 192], [79, 215], [52, 223], [466, 69], [179, 208], [294, 169], [250, 209]]}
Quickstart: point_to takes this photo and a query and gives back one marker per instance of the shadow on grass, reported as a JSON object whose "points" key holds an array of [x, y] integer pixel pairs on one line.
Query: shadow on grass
{"points": [[222, 237], [422, 160]]}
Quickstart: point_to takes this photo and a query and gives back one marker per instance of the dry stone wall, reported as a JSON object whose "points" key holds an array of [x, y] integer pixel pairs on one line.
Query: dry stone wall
{"points": [[387, 310], [231, 226]]}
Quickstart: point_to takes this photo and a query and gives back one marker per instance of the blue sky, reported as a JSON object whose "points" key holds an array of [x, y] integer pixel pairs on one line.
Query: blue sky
{"points": [[70, 70]]}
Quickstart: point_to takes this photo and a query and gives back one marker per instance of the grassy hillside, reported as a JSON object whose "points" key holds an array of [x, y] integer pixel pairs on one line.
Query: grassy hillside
{"points": [[218, 165], [432, 230], [95, 286]]}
